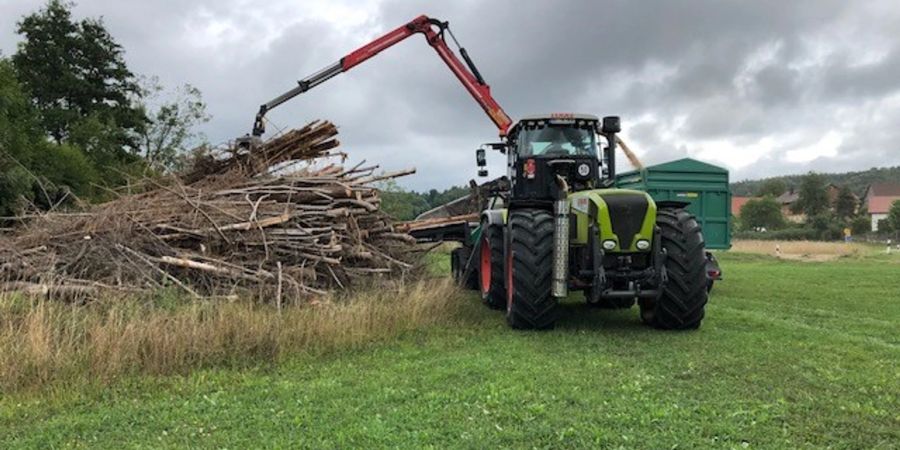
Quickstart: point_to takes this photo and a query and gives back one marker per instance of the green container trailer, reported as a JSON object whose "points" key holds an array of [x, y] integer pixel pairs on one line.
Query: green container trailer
{"points": [[703, 185]]}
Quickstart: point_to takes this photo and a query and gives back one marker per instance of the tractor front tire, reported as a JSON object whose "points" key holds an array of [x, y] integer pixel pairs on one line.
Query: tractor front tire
{"points": [[490, 267], [683, 301], [529, 263]]}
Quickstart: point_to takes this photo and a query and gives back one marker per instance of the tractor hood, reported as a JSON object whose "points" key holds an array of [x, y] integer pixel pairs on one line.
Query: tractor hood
{"points": [[624, 216]]}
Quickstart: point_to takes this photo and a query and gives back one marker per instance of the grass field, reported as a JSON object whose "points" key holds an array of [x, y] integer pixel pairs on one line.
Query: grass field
{"points": [[791, 355]]}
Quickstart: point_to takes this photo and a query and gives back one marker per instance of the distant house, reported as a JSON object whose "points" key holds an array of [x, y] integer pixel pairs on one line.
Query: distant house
{"points": [[737, 203], [878, 200], [791, 196], [833, 190], [787, 201]]}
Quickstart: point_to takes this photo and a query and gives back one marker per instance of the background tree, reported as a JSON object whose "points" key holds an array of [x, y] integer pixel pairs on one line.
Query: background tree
{"points": [[437, 198], [813, 196], [762, 213], [70, 110], [858, 181], [825, 226], [845, 203], [33, 170], [893, 217], [173, 118], [19, 133], [860, 225], [75, 71], [773, 187], [399, 203]]}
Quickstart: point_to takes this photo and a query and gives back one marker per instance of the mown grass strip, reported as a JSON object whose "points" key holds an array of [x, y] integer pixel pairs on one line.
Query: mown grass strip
{"points": [[758, 374]]}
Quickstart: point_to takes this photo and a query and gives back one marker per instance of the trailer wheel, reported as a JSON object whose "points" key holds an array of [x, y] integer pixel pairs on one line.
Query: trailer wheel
{"points": [[490, 267], [530, 270], [683, 301]]}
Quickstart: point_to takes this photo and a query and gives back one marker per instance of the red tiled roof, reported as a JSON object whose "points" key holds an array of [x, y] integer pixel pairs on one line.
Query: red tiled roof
{"points": [[880, 196], [737, 203], [884, 190], [881, 205]]}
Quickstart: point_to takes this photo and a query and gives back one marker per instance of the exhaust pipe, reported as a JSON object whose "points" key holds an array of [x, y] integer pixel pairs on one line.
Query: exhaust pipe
{"points": [[560, 285]]}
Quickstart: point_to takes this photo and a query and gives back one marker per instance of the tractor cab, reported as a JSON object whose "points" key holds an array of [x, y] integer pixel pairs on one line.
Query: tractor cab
{"points": [[542, 149]]}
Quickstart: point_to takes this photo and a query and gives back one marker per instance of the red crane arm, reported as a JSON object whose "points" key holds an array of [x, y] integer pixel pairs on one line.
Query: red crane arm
{"points": [[467, 73]]}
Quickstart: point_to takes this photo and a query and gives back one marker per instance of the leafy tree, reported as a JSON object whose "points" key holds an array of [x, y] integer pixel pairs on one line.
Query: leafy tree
{"points": [[63, 169], [19, 134], [98, 138], [76, 70], [431, 197], [885, 226], [860, 225], [825, 226], [33, 169], [19, 129], [171, 130], [857, 181], [447, 195], [813, 196], [399, 203], [893, 217], [773, 187], [406, 205], [762, 213], [15, 186], [845, 203]]}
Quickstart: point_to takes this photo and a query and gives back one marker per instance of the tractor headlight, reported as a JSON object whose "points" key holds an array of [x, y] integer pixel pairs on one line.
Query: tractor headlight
{"points": [[643, 244], [609, 244], [584, 170]]}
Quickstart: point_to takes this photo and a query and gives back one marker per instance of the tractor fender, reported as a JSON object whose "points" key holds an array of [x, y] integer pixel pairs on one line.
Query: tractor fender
{"points": [[672, 204]]}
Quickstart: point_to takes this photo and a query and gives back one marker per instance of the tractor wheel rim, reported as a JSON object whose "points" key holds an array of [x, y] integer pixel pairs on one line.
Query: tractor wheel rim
{"points": [[485, 266]]}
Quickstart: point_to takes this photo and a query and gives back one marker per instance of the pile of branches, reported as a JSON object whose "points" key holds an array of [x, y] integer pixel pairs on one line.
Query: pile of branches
{"points": [[281, 218]]}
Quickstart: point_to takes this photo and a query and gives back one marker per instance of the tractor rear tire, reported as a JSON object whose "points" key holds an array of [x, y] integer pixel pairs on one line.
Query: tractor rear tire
{"points": [[490, 267], [459, 257], [530, 304], [683, 301]]}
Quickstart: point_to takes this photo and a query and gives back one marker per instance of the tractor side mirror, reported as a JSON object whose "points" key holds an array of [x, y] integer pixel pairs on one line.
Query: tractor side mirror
{"points": [[611, 125], [481, 160]]}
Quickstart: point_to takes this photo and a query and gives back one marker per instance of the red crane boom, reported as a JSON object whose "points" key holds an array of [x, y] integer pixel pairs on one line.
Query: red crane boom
{"points": [[433, 30]]}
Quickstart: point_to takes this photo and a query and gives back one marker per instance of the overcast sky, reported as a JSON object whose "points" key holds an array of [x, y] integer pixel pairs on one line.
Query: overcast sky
{"points": [[760, 87]]}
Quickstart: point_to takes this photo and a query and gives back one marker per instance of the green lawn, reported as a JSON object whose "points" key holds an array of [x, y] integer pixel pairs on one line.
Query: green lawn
{"points": [[790, 355]]}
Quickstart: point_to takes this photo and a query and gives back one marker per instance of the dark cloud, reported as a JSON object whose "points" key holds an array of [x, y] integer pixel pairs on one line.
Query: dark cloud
{"points": [[743, 84]]}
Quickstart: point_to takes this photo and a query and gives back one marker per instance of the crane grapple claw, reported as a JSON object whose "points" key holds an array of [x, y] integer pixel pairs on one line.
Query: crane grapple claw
{"points": [[248, 142]]}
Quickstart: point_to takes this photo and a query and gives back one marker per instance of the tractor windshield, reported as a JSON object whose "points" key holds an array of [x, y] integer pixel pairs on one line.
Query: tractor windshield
{"points": [[557, 140]]}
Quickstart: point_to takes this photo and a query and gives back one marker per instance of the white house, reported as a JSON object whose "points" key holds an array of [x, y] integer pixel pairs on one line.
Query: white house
{"points": [[878, 200]]}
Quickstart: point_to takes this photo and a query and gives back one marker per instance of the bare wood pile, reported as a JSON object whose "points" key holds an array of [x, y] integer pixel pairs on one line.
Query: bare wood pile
{"points": [[282, 219]]}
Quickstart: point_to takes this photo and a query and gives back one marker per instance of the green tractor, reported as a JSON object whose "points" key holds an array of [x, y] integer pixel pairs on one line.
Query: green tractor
{"points": [[556, 224], [559, 225]]}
